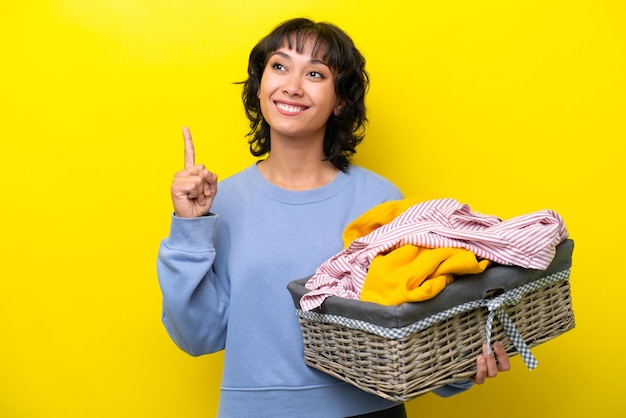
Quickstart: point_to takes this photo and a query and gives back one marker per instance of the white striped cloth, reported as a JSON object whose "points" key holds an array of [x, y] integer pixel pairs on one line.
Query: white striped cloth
{"points": [[528, 241]]}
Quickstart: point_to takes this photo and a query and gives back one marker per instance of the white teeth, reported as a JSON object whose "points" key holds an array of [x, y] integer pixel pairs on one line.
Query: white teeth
{"points": [[289, 108]]}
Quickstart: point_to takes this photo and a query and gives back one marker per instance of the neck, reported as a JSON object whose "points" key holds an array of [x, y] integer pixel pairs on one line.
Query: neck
{"points": [[304, 173]]}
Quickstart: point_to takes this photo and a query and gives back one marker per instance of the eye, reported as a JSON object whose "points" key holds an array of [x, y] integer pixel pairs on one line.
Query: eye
{"points": [[278, 66], [317, 74]]}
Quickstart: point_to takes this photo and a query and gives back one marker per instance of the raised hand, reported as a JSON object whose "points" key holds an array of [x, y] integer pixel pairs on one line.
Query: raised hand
{"points": [[194, 187]]}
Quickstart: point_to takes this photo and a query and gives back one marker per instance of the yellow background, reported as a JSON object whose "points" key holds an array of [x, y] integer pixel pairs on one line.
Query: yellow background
{"points": [[509, 106]]}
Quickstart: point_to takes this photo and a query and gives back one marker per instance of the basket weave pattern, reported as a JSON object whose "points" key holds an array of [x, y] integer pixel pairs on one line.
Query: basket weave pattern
{"points": [[404, 368]]}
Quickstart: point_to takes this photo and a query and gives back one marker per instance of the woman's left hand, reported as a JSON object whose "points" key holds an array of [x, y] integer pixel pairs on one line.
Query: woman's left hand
{"points": [[490, 365]]}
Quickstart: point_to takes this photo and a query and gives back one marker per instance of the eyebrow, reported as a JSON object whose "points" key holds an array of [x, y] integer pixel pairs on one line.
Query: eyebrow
{"points": [[312, 61]]}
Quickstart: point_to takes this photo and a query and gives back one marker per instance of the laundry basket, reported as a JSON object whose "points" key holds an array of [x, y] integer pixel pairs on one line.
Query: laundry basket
{"points": [[400, 352]]}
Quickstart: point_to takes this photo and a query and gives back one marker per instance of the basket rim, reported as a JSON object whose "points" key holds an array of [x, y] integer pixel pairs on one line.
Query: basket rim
{"points": [[464, 289], [509, 297]]}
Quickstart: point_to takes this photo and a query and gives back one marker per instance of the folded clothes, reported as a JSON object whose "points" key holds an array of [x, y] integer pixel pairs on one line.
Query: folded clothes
{"points": [[527, 241], [415, 274]]}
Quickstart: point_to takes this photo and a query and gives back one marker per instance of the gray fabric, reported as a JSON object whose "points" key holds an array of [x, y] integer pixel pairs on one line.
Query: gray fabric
{"points": [[464, 289]]}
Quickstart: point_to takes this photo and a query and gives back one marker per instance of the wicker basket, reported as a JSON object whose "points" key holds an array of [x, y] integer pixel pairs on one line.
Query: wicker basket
{"points": [[434, 344]]}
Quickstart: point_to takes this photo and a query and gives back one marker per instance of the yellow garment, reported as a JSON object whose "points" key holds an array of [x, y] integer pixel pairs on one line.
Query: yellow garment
{"points": [[412, 274], [377, 216]]}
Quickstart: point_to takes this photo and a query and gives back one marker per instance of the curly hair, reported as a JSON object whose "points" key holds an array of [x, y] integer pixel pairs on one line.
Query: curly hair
{"points": [[343, 131]]}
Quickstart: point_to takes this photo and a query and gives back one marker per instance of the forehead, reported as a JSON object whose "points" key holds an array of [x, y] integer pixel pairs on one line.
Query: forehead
{"points": [[304, 57], [306, 44]]}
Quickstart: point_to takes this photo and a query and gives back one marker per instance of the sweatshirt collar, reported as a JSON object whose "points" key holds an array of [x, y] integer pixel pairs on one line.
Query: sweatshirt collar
{"points": [[292, 197]]}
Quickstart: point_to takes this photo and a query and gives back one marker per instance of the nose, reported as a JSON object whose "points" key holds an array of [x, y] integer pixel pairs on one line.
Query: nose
{"points": [[293, 85]]}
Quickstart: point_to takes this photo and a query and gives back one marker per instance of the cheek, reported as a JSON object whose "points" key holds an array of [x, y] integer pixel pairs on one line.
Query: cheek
{"points": [[263, 96], [265, 87], [264, 91]]}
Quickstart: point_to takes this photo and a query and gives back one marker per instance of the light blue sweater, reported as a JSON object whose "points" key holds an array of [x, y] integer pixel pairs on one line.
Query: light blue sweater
{"points": [[224, 277]]}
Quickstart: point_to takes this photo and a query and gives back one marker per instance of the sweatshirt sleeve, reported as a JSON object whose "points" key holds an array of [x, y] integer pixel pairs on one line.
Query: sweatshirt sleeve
{"points": [[454, 388], [195, 301]]}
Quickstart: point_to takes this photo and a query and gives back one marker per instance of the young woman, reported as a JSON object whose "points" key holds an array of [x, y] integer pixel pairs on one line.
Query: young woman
{"points": [[224, 268]]}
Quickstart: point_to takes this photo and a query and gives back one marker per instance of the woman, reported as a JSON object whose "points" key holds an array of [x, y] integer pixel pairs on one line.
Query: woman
{"points": [[224, 268]]}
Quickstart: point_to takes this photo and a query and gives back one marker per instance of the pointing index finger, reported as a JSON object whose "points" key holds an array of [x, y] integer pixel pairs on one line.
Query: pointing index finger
{"points": [[190, 153]]}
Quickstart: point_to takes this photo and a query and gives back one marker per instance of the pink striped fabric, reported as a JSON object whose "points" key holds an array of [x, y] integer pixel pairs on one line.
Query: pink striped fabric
{"points": [[528, 241]]}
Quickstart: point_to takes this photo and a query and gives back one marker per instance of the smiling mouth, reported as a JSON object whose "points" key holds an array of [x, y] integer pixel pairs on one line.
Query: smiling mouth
{"points": [[290, 108]]}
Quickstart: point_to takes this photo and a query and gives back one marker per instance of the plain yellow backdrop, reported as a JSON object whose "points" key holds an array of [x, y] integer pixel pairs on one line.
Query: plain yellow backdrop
{"points": [[509, 106]]}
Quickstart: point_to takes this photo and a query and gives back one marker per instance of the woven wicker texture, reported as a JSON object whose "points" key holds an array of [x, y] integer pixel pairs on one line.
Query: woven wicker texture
{"points": [[446, 352]]}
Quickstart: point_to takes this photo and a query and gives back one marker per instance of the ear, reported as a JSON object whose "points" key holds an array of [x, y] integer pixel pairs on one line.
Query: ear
{"points": [[339, 106]]}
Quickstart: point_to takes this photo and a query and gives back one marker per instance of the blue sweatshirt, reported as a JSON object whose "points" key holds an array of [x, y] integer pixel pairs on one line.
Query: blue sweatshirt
{"points": [[223, 278]]}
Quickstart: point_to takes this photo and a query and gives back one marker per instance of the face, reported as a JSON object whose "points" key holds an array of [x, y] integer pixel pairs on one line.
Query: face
{"points": [[297, 94]]}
